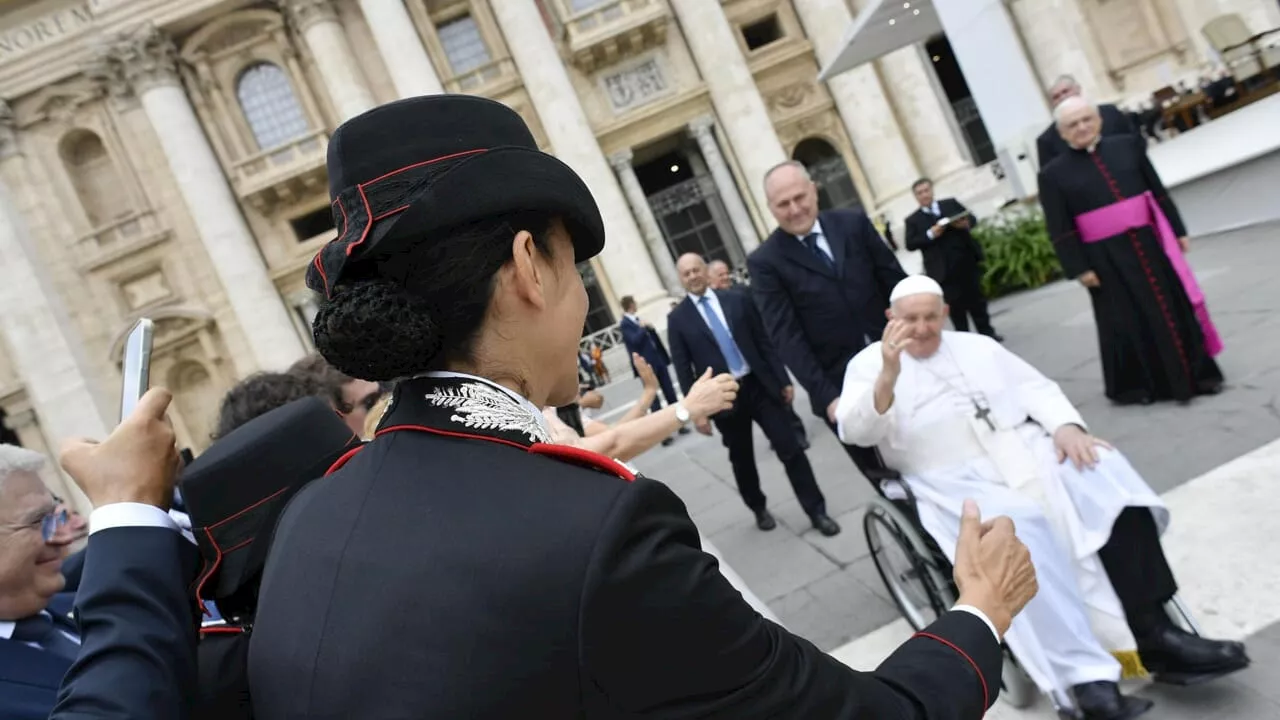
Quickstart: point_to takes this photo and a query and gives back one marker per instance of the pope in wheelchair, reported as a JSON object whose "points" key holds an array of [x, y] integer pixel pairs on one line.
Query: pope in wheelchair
{"points": [[961, 417]]}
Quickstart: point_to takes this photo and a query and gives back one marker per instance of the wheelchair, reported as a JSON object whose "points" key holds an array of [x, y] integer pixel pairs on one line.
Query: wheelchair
{"points": [[918, 577]]}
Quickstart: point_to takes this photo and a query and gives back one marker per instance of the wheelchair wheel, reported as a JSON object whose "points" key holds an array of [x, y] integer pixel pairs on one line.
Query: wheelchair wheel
{"points": [[1016, 687], [917, 586]]}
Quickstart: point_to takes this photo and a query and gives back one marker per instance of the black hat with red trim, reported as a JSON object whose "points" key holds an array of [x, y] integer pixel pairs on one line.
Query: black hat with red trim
{"points": [[404, 172], [236, 490]]}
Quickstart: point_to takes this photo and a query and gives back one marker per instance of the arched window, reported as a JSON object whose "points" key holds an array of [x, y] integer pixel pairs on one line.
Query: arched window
{"points": [[275, 116], [830, 174], [98, 185]]}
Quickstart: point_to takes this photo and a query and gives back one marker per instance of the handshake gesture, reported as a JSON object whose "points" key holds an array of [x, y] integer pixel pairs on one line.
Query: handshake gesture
{"points": [[993, 568]]}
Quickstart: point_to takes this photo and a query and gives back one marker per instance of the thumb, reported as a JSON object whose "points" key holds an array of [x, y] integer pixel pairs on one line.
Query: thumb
{"points": [[153, 404], [970, 526], [706, 373]]}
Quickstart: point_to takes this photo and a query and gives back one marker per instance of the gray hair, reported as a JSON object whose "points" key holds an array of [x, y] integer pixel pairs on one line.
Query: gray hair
{"points": [[14, 459], [1064, 80], [1071, 103], [799, 166]]}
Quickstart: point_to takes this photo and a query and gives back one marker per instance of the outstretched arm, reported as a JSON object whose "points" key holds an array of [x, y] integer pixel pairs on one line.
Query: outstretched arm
{"points": [[782, 324], [665, 635], [887, 269]]}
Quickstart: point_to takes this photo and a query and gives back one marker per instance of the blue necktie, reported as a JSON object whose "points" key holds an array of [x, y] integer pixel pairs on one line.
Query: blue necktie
{"points": [[811, 240], [728, 348], [40, 629]]}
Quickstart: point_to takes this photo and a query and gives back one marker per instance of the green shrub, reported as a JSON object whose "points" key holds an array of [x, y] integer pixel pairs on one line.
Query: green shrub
{"points": [[1019, 253]]}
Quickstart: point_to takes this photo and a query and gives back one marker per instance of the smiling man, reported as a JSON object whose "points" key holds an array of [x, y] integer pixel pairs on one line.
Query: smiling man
{"points": [[38, 640]]}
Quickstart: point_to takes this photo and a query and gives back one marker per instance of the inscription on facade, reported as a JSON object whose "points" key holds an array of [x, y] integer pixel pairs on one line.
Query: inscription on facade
{"points": [[34, 34], [637, 85]]}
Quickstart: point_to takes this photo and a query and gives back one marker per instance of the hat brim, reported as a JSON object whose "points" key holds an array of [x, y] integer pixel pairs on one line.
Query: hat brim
{"points": [[481, 185]]}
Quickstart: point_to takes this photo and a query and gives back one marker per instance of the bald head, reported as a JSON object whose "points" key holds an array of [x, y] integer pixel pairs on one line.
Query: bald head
{"points": [[692, 270], [1078, 122], [792, 196]]}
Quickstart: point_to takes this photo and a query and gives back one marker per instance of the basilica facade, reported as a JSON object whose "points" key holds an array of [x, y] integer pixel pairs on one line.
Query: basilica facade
{"points": [[166, 158]]}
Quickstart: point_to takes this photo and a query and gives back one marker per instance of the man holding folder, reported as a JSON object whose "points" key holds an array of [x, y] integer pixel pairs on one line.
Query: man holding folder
{"points": [[952, 255]]}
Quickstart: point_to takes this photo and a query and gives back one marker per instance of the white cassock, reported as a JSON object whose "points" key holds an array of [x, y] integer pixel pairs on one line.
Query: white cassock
{"points": [[1074, 629]]}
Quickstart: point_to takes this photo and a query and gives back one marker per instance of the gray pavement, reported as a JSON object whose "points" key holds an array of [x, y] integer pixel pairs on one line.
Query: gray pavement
{"points": [[827, 589]]}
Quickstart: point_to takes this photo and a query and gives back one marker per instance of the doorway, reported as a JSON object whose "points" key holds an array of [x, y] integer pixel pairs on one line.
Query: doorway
{"points": [[830, 173], [599, 316], [684, 200], [951, 78]]}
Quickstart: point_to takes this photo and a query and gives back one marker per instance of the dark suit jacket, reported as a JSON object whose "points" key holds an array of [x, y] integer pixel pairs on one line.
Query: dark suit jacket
{"points": [[954, 248], [137, 629], [72, 569], [819, 318], [1050, 143], [453, 577], [645, 342], [694, 347], [29, 678]]}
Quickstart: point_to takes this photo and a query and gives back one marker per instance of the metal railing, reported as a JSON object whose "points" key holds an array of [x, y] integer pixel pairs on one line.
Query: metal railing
{"points": [[265, 167], [598, 16], [481, 76]]}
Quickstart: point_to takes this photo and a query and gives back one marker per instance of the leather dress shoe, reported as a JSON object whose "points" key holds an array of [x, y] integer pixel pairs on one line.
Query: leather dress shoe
{"points": [[825, 525], [1102, 701], [684, 431], [1178, 657], [765, 521]]}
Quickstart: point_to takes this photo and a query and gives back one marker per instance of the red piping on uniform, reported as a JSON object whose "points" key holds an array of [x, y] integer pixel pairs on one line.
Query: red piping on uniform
{"points": [[1146, 270], [986, 695]]}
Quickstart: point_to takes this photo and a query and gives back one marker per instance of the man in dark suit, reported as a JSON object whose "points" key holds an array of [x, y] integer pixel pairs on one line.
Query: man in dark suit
{"points": [[822, 283], [952, 256], [1050, 144], [722, 330], [642, 339]]}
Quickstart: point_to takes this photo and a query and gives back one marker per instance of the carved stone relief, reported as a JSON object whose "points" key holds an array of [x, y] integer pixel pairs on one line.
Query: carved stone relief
{"points": [[636, 85]]}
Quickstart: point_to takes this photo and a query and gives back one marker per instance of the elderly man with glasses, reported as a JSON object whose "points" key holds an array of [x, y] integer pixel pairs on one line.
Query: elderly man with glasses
{"points": [[38, 641]]}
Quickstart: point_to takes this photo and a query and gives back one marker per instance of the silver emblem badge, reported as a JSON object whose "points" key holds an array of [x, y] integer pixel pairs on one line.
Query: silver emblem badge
{"points": [[481, 407]]}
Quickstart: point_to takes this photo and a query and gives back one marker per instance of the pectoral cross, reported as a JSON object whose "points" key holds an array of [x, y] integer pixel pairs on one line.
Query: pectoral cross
{"points": [[983, 414]]}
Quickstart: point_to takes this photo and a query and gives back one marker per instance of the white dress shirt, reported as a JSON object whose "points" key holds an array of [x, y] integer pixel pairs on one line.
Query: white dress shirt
{"points": [[714, 302], [936, 211], [823, 243]]}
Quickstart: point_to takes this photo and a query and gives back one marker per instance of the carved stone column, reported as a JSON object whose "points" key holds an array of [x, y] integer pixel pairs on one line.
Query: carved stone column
{"points": [[625, 256], [726, 187], [743, 116], [924, 111], [882, 150], [143, 63], [40, 345], [653, 238], [401, 49], [317, 22]]}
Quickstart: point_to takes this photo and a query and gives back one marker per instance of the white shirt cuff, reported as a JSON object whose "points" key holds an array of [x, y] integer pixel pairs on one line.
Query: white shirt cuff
{"points": [[127, 514], [929, 233], [981, 616]]}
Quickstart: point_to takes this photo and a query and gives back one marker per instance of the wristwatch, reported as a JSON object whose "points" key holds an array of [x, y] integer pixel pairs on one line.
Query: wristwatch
{"points": [[682, 414]]}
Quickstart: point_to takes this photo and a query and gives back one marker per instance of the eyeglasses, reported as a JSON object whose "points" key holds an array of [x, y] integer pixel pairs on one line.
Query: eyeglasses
{"points": [[51, 523]]}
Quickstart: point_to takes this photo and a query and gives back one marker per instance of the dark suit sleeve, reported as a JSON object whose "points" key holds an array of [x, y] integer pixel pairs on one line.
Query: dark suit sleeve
{"points": [[680, 358], [665, 635], [633, 335], [1157, 187], [768, 350], [1122, 124], [72, 570], [1061, 228], [783, 327], [138, 629], [885, 264], [916, 229], [960, 208], [1044, 148]]}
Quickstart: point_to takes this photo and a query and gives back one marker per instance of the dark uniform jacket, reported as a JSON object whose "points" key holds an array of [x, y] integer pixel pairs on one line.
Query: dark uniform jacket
{"points": [[955, 248], [459, 567]]}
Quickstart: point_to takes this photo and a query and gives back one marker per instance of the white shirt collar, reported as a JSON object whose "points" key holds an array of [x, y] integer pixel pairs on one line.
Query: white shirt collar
{"points": [[632, 317], [815, 230], [534, 410], [6, 629], [705, 293]]}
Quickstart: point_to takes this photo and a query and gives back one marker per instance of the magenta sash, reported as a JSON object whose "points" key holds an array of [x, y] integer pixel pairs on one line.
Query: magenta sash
{"points": [[1143, 211]]}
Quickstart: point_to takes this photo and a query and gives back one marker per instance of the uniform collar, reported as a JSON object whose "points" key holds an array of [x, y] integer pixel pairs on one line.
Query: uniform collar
{"points": [[462, 404]]}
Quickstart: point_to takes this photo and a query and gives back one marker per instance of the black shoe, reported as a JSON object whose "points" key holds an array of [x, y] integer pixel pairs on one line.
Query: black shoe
{"points": [[765, 521], [684, 431], [668, 441], [994, 335], [825, 525], [1175, 656], [1103, 701]]}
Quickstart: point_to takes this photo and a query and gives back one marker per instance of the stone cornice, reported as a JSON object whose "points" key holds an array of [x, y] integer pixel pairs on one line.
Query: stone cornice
{"points": [[302, 14], [134, 62], [8, 131]]}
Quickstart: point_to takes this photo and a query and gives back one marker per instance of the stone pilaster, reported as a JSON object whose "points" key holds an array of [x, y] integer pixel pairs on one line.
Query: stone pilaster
{"points": [[924, 111], [625, 257], [318, 24], [742, 112], [653, 238], [143, 62], [883, 152], [702, 130], [401, 49], [40, 345]]}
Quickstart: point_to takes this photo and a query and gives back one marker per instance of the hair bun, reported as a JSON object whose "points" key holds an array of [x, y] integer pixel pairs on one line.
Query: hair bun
{"points": [[375, 330]]}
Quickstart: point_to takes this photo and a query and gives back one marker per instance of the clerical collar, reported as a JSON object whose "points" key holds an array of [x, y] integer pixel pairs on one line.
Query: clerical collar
{"points": [[463, 404]]}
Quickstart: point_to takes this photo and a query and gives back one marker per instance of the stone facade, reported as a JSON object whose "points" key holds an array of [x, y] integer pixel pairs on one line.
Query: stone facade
{"points": [[166, 158]]}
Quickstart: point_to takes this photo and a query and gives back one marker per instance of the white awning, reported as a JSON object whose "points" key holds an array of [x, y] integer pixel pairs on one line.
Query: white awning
{"points": [[882, 27]]}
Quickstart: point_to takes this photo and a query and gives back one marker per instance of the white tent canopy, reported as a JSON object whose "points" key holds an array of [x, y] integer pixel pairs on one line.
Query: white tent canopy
{"points": [[882, 27]]}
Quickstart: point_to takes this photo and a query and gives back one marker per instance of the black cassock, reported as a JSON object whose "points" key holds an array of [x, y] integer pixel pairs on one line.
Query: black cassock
{"points": [[457, 567], [1152, 344]]}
